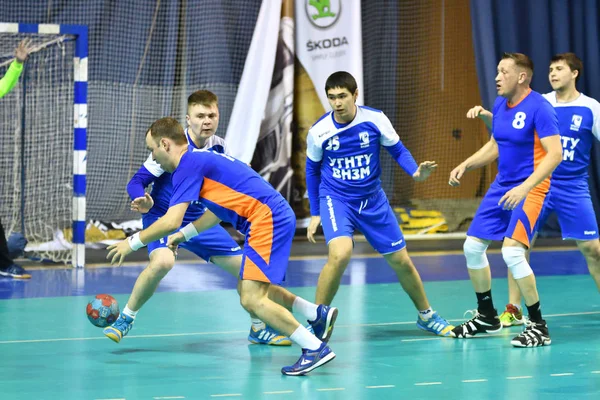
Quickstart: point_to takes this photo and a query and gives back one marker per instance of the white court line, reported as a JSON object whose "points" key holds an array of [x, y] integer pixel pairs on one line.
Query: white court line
{"points": [[519, 377], [474, 380], [380, 387], [595, 372], [427, 383], [330, 389], [563, 374], [166, 335], [280, 392]]}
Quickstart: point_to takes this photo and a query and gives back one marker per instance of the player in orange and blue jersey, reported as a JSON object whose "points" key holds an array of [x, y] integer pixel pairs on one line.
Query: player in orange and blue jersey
{"points": [[525, 140], [569, 197], [233, 192]]}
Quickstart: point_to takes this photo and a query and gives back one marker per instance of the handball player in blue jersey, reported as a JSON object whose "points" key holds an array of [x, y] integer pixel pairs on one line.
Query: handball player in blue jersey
{"points": [[214, 245], [345, 194], [569, 197], [525, 140], [231, 191]]}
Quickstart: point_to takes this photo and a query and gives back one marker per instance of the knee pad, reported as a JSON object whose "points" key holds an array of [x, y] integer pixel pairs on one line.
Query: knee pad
{"points": [[475, 254], [514, 257]]}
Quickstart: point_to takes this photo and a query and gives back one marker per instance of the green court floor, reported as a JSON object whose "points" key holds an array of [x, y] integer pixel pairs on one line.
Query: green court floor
{"points": [[193, 346]]}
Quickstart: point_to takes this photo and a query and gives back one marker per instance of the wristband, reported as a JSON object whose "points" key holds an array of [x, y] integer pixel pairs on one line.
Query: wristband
{"points": [[134, 242], [189, 231]]}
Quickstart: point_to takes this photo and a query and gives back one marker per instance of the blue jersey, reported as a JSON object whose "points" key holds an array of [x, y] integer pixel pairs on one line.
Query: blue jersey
{"points": [[162, 189], [518, 128], [579, 124], [349, 153], [229, 188]]}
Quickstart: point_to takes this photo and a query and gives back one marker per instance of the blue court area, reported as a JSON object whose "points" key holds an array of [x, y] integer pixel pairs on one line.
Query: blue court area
{"points": [[189, 341]]}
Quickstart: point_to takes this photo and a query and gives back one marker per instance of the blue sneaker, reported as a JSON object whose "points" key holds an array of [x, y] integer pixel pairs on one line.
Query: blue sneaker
{"points": [[15, 271], [436, 325], [268, 336], [119, 328], [309, 360], [323, 326]]}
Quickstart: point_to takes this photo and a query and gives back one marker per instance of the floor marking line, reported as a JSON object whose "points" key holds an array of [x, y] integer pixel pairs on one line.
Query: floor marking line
{"points": [[427, 383], [563, 374], [595, 372], [279, 392], [519, 377], [380, 387], [166, 335], [474, 380]]}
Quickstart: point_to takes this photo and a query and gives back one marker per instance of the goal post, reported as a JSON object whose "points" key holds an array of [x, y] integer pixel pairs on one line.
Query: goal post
{"points": [[78, 34]]}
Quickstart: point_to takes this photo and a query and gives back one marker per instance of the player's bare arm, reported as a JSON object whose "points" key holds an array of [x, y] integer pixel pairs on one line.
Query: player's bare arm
{"points": [[553, 147], [425, 169], [481, 113], [205, 222], [142, 204], [314, 223], [23, 50], [484, 156], [162, 227]]}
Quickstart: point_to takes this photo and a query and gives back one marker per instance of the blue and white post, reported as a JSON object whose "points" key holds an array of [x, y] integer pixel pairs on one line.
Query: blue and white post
{"points": [[80, 62]]}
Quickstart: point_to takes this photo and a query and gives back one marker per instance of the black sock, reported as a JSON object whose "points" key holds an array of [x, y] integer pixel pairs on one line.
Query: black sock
{"points": [[485, 306], [535, 312]]}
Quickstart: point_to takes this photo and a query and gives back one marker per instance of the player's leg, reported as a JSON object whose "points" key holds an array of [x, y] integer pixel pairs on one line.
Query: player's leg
{"points": [[490, 223], [591, 251], [265, 261], [513, 313], [577, 221], [338, 231], [518, 239], [7, 266], [376, 220], [161, 262]]}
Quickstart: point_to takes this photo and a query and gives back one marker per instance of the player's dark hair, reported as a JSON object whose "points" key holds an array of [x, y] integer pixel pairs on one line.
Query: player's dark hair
{"points": [[521, 60], [574, 63], [341, 79], [167, 128], [203, 97]]}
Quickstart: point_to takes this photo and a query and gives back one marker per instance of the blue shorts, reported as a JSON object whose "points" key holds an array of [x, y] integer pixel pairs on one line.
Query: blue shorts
{"points": [[572, 203], [212, 242], [372, 216], [269, 243], [491, 222]]}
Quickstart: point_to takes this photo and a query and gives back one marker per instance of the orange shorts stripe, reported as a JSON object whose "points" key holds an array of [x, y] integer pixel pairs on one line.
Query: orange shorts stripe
{"points": [[520, 234], [252, 272]]}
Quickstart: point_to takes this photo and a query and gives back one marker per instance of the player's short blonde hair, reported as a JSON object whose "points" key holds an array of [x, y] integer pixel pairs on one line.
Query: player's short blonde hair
{"points": [[168, 128], [203, 97], [522, 61]]}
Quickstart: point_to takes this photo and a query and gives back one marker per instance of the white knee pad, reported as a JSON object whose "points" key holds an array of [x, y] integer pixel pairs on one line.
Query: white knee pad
{"points": [[475, 254], [514, 257]]}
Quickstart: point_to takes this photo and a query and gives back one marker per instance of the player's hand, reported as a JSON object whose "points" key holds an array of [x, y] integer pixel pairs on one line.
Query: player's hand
{"points": [[456, 174], [23, 50], [174, 240], [425, 169], [314, 223], [513, 197], [142, 204], [479, 112], [118, 251]]}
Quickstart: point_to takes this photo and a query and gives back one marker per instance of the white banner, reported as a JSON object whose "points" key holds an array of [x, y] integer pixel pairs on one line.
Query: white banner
{"points": [[251, 99], [329, 39]]}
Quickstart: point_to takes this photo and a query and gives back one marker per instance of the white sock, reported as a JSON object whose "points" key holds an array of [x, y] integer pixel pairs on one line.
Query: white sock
{"points": [[305, 339], [129, 312], [257, 324], [306, 308], [426, 314]]}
